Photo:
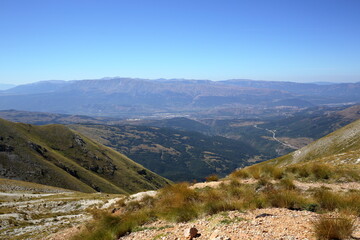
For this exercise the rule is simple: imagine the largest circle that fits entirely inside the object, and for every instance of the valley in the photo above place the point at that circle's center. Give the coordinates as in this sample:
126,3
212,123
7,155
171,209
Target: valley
268,173
180,120
282,198
183,149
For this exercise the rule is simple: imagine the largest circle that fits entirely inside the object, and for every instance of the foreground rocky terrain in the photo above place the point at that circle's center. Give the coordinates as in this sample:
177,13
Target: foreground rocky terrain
266,223
32,211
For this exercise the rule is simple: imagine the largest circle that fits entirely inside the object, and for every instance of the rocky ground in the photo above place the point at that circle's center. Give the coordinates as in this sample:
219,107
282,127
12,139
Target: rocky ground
58,216
256,225
25,215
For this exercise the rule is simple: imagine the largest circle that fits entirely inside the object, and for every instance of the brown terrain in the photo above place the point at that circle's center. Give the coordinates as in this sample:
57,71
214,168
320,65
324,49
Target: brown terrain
258,224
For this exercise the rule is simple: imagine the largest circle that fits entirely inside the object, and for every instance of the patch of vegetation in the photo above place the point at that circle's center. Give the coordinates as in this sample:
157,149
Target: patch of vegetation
57,156
330,201
212,178
174,154
179,203
311,171
330,228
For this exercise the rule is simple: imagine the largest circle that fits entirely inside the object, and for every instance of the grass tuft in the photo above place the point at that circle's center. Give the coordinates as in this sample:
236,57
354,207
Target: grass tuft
334,228
212,178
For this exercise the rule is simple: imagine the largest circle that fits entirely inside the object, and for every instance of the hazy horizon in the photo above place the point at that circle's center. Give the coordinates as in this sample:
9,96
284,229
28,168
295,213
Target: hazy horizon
154,79
297,41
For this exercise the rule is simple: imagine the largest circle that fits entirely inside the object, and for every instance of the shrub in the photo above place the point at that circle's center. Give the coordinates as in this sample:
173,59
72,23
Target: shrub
108,227
212,178
287,199
353,202
327,228
328,200
287,184
242,173
321,171
272,171
299,170
177,203
264,185
254,172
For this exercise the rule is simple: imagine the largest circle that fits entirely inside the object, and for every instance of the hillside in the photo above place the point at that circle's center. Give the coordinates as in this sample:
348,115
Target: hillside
174,154
262,201
341,147
57,156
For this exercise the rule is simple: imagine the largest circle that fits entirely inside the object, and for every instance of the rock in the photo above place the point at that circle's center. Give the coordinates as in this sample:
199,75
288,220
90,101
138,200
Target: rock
264,215
217,236
190,233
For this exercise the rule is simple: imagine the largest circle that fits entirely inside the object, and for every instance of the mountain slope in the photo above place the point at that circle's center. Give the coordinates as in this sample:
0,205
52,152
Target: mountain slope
330,92
176,155
338,148
57,156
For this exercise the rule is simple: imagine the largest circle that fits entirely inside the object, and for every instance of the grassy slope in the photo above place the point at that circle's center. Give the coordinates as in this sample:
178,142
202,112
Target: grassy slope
339,148
177,155
57,156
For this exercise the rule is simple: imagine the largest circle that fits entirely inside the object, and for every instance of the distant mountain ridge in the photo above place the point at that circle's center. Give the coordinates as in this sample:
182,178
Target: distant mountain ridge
126,97
4,86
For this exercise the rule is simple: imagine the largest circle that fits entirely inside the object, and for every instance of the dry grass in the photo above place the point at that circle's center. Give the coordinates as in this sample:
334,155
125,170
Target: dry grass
179,203
330,201
312,171
212,178
331,228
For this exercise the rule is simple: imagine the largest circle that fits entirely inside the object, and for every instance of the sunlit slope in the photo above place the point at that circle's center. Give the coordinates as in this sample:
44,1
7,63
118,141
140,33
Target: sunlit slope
338,148
57,156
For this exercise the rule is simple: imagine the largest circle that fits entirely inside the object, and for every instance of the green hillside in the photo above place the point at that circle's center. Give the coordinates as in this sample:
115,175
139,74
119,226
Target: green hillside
339,147
57,156
176,155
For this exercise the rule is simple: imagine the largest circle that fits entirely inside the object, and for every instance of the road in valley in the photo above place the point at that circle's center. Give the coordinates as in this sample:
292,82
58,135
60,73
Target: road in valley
273,132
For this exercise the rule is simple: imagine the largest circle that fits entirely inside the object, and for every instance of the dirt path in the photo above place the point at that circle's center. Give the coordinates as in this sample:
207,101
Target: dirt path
273,133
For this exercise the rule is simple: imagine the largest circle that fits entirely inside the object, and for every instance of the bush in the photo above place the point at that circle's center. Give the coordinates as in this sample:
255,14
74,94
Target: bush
177,203
272,171
212,178
287,199
330,228
242,173
287,184
328,200
254,171
108,227
321,171
264,185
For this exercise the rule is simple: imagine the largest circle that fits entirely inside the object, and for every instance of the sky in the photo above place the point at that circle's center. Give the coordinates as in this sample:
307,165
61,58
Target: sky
281,40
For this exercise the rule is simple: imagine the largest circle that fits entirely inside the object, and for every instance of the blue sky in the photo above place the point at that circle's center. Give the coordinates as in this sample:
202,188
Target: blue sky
304,41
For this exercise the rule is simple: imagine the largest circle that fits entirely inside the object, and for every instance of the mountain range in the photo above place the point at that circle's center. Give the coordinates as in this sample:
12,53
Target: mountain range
124,97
